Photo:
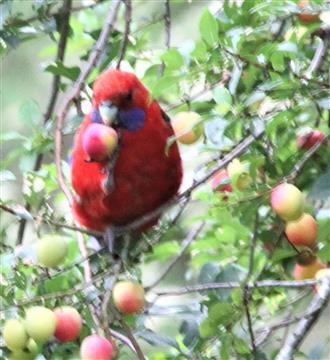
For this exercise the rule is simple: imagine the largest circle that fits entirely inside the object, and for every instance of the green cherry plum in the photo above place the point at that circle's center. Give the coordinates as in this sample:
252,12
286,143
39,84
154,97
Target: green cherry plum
14,334
51,250
40,323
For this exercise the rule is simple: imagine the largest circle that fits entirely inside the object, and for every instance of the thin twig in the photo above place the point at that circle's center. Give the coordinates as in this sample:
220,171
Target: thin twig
314,310
318,57
75,90
21,215
246,289
128,19
265,333
302,162
167,21
193,233
235,284
65,12
124,339
59,294
59,12
130,335
84,253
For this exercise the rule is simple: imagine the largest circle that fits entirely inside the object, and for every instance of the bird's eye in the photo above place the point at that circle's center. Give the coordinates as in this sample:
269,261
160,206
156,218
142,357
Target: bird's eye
128,96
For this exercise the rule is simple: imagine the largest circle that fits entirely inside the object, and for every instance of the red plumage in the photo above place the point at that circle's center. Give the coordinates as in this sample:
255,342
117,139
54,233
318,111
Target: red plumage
144,175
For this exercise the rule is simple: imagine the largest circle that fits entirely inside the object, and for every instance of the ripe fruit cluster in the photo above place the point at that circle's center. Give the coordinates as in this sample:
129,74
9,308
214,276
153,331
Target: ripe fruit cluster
235,176
99,142
300,229
24,336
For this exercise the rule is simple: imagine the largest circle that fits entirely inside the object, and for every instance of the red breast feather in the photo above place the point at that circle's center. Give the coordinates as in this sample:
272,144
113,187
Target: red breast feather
144,175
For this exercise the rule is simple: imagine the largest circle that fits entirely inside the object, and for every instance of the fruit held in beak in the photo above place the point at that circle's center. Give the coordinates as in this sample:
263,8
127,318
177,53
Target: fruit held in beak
99,142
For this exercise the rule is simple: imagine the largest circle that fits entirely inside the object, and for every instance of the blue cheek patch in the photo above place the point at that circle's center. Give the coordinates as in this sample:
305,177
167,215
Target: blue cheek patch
96,117
132,119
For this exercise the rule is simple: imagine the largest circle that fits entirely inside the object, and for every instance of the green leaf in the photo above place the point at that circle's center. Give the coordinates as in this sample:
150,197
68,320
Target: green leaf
59,69
221,313
207,329
164,85
241,346
208,273
172,59
280,254
209,27
277,60
164,251
30,113
200,52
223,99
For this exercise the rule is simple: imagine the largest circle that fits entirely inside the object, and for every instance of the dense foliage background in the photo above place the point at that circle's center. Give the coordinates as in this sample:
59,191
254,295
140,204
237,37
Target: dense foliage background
258,76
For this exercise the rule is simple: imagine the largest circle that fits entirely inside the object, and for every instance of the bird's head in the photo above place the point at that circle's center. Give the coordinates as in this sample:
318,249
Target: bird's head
120,100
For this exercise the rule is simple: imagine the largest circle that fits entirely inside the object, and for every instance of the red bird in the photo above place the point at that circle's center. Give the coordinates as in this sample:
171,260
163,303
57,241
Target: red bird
142,176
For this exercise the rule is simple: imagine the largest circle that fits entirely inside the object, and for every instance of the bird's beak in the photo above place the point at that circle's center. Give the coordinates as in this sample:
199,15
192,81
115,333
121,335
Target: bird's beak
108,112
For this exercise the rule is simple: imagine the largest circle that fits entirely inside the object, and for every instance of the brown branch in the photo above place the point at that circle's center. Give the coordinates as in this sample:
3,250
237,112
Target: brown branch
128,19
235,284
131,337
59,12
124,339
318,57
246,291
84,253
167,21
315,308
265,333
302,162
74,93
193,233
21,215
65,12
59,294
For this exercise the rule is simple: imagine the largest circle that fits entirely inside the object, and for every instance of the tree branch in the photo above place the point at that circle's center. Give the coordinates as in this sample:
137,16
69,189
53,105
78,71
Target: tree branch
235,284
60,294
314,310
128,19
193,233
302,162
19,212
74,93
130,335
246,291
65,12
167,20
